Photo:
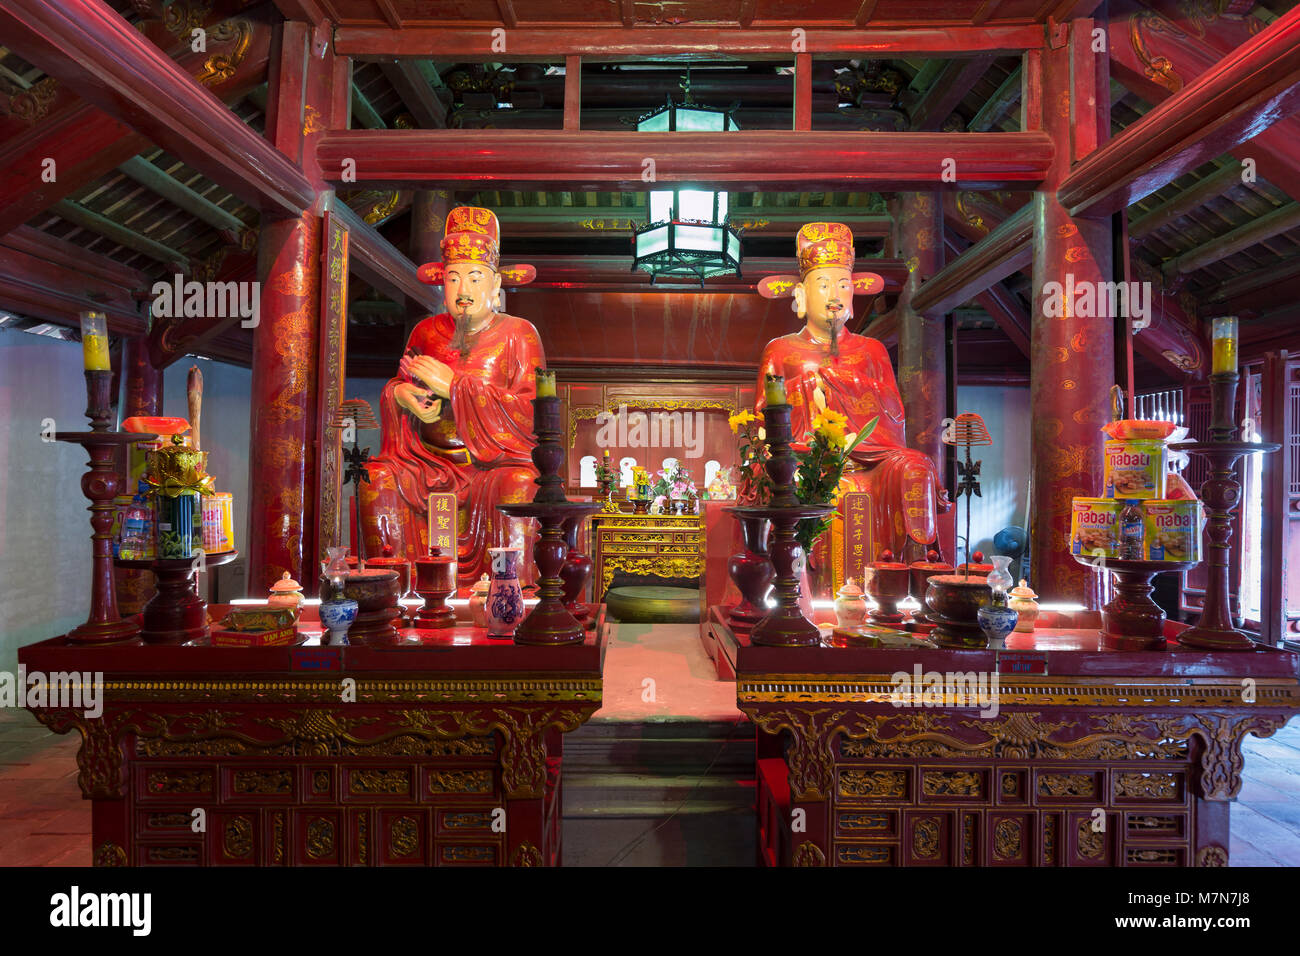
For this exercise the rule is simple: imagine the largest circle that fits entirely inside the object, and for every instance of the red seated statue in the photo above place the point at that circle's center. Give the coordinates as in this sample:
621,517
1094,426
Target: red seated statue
459,416
857,380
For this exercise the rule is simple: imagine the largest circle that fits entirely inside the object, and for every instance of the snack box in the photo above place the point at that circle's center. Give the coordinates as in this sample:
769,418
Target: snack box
1135,469
1094,527
279,637
1172,530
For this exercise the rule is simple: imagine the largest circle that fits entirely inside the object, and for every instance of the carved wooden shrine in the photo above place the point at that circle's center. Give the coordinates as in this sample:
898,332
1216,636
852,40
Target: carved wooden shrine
446,751
1091,758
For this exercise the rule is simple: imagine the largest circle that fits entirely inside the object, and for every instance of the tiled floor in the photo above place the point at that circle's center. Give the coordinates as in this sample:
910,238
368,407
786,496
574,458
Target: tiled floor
44,821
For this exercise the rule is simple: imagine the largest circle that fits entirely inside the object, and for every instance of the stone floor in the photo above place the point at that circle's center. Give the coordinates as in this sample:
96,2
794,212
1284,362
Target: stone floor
44,821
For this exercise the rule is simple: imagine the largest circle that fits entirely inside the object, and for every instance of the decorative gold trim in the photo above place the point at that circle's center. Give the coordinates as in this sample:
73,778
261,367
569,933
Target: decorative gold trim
542,690
1212,855
110,854
526,854
1159,69
809,854
221,66
1189,694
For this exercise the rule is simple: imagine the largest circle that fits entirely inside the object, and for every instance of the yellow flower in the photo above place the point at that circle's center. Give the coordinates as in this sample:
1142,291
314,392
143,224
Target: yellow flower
740,420
830,429
834,417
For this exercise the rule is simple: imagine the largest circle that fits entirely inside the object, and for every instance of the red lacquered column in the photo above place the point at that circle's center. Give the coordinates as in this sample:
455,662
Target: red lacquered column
1071,357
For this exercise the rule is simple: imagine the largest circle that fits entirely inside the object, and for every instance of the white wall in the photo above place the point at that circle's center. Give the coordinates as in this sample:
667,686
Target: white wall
1004,472
44,521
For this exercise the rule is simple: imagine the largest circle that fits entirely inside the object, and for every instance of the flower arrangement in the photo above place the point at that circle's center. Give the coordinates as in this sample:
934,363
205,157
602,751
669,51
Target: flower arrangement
754,486
605,475
675,483
822,455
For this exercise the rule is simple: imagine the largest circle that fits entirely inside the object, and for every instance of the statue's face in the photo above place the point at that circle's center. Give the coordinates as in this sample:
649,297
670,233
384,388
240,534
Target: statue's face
827,296
471,288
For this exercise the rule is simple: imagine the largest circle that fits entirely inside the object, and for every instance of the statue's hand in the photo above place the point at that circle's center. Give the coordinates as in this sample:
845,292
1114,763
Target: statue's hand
418,402
437,375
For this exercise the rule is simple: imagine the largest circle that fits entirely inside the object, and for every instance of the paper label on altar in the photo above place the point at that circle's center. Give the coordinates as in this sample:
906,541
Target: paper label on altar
857,533
1022,662
442,520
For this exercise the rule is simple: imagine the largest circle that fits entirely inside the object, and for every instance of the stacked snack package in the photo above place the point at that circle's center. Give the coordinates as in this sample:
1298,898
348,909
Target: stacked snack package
1146,512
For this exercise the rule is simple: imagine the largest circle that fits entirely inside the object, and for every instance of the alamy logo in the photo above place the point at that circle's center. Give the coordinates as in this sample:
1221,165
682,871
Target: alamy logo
951,689
623,429
74,909
66,690
1098,300
212,300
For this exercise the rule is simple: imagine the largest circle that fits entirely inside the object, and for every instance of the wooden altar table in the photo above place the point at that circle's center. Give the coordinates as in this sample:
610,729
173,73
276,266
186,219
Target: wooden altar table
443,749
666,546
1092,757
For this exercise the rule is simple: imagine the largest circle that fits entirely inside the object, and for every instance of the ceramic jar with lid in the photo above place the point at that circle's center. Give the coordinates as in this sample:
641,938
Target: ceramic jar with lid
850,605
1024,601
478,601
286,592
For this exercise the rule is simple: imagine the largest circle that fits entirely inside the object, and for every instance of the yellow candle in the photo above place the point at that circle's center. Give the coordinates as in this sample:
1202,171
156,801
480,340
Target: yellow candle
545,384
94,341
1223,344
774,389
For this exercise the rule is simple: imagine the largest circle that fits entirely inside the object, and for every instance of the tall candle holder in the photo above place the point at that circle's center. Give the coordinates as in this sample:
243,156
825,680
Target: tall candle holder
101,484
1220,493
785,624
549,622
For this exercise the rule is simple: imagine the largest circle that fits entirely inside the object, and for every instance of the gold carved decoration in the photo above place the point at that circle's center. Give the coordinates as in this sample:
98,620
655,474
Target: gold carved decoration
969,823
850,854
110,854
873,783
1049,839
168,820
1147,786
384,207
1151,855
811,760
809,854
958,783
864,822
460,781
381,781
182,18
526,855
320,781
362,824
181,781
320,838
1156,824
1066,785
237,840
467,854
1007,840
1212,856
1092,843
221,66
1010,785
608,225
925,839
277,836
404,836
263,781
30,105
467,821
1157,68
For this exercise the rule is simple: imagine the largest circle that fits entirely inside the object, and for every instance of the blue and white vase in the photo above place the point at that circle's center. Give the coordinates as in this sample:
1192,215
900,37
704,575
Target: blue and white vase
997,621
505,599
337,616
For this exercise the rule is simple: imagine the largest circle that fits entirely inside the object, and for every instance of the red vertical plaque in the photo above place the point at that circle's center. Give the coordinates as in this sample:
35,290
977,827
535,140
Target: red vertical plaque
858,546
442,521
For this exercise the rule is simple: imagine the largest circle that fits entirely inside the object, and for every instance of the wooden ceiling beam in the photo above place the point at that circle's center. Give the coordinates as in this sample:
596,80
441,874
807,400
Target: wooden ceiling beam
383,265
45,278
614,274
950,88
1185,201
309,11
1003,99
88,143
115,232
747,161
1008,248
1249,89
611,44
1265,277
88,46
363,112
158,181
1265,227
416,93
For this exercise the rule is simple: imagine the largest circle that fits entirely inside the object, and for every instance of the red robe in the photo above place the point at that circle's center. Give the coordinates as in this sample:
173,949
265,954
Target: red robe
489,428
859,384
